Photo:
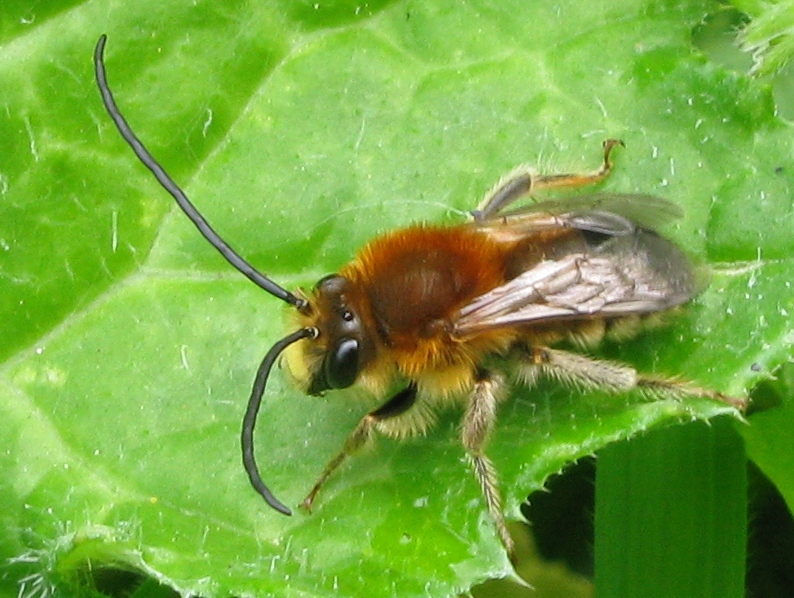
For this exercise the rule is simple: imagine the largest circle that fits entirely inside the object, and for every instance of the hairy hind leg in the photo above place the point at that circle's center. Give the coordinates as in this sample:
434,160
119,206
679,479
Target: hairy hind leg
598,374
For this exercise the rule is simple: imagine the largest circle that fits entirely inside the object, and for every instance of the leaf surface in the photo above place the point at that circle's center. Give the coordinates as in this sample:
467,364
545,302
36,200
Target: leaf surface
301,131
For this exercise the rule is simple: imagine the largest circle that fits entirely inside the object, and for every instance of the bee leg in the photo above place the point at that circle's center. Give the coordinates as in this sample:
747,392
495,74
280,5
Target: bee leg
522,181
394,407
477,425
596,374
678,389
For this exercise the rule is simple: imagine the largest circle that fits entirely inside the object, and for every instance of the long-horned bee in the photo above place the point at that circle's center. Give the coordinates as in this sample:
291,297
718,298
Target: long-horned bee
434,311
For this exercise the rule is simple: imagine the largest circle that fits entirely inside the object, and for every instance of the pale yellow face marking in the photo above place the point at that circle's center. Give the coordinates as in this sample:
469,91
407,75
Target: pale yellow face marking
296,363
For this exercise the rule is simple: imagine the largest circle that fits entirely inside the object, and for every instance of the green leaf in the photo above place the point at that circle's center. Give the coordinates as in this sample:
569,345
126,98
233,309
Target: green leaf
671,514
302,130
769,437
769,36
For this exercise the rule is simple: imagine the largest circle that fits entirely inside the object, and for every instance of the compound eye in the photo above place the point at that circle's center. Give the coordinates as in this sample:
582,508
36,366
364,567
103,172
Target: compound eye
341,365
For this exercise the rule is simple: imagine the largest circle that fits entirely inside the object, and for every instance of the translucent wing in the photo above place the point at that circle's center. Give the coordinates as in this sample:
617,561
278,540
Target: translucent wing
616,268
612,214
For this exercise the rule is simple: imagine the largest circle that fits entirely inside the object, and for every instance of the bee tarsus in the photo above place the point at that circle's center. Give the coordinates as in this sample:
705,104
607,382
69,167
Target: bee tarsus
524,180
394,407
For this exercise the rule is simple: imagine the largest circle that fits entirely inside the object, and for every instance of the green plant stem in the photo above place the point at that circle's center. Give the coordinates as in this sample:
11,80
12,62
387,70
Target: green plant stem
671,513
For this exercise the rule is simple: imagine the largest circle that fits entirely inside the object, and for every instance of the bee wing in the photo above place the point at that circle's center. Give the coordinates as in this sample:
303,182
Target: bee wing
627,272
611,214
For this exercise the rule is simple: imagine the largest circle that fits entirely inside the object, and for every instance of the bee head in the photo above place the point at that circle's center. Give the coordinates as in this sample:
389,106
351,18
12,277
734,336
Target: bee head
342,346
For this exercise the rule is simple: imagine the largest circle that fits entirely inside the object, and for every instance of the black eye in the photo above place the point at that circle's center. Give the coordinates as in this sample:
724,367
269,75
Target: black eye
341,364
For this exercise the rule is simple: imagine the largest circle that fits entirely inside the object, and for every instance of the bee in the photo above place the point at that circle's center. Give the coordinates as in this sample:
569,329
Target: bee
435,310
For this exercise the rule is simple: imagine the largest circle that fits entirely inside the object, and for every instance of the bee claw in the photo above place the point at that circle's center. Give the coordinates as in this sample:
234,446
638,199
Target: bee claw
741,403
307,503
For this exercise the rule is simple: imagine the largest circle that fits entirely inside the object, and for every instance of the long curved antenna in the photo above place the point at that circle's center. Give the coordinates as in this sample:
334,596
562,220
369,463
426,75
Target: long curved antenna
249,421
169,185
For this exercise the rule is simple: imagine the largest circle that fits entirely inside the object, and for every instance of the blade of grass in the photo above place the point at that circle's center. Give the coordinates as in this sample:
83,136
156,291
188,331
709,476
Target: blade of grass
671,514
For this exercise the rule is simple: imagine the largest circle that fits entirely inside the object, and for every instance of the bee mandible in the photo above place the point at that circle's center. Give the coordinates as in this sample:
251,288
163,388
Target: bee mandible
430,309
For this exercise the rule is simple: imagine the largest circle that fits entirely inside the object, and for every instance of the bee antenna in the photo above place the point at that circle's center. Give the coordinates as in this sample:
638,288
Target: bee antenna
169,185
249,421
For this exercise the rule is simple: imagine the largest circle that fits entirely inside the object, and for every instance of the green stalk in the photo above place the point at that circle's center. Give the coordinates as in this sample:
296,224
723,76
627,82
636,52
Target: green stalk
671,514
